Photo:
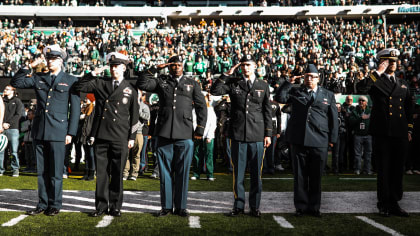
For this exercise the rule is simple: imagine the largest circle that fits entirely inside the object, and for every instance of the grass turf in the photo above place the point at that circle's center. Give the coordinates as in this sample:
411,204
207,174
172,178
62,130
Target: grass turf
223,182
211,224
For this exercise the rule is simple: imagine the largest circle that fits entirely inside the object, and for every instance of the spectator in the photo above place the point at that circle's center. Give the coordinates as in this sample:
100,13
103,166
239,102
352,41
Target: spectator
203,148
13,109
27,140
359,121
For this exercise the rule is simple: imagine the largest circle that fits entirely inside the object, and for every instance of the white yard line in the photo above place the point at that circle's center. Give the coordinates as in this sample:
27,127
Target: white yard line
276,178
14,221
106,220
379,226
357,178
194,222
283,222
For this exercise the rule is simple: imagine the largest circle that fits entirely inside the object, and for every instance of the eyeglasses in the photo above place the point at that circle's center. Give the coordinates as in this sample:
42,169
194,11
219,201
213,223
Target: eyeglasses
362,101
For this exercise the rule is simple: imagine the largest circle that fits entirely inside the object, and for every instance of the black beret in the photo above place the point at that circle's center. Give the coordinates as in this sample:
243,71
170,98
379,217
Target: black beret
247,58
311,69
175,59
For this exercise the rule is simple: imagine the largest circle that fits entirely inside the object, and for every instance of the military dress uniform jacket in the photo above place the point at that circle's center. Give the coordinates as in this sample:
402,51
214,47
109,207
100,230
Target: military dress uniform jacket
312,123
176,101
116,112
250,119
392,107
54,119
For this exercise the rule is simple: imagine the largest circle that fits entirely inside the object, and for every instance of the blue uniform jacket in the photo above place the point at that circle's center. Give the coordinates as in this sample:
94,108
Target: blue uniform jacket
311,124
58,107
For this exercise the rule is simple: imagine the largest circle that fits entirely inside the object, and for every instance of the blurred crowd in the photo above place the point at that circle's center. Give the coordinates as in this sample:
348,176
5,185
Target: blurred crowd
343,50
162,3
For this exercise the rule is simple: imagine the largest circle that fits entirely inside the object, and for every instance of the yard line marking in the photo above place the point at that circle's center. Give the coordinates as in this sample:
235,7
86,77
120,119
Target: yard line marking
379,226
194,222
14,221
11,190
283,222
357,178
106,220
276,178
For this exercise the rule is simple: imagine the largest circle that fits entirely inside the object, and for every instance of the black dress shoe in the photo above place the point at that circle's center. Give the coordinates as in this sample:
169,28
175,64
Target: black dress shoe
255,212
384,212
236,212
164,212
181,212
316,213
397,211
36,211
51,211
299,213
97,213
115,212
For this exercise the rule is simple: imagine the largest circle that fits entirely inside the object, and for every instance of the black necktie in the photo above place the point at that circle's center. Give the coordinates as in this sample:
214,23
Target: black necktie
392,79
53,79
116,83
248,82
312,95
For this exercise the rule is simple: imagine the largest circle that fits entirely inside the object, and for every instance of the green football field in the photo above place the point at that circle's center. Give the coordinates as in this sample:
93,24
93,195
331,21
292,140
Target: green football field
15,222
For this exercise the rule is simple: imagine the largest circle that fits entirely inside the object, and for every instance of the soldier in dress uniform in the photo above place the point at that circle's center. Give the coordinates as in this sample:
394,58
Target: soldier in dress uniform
113,131
250,129
312,127
174,128
54,124
391,127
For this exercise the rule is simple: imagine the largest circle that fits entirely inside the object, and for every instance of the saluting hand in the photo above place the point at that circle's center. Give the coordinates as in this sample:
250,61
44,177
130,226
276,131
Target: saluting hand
409,137
130,143
161,66
382,67
230,72
99,70
36,62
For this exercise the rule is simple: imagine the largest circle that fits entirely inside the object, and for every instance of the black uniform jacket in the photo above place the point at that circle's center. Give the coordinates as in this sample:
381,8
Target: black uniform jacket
116,112
176,101
311,124
54,118
392,107
250,117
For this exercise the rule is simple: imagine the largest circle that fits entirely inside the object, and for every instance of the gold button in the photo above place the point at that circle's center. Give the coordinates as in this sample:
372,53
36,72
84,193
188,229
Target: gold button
174,100
48,103
105,109
49,96
390,105
400,99
50,89
174,95
106,100
390,97
113,119
390,113
400,115
400,107
103,117
46,110
116,111
118,103
173,107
